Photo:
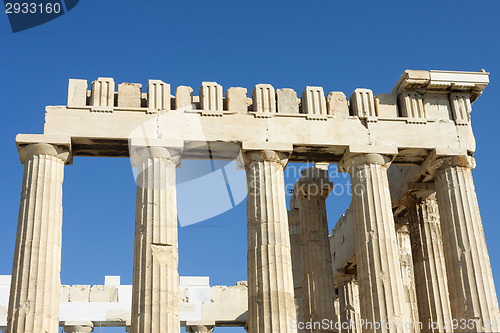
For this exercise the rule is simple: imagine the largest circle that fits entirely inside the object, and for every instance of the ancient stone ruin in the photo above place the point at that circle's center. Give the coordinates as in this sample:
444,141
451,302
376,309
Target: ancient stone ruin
409,255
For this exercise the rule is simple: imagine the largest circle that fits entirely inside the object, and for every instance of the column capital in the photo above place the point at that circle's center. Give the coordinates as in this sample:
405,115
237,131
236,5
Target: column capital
266,155
343,279
199,328
418,192
78,326
355,156
143,148
29,145
305,189
439,163
314,182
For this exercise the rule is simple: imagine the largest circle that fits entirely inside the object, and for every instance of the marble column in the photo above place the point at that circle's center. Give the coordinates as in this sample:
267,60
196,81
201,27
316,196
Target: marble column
407,274
472,291
336,306
381,293
78,327
34,292
271,307
155,287
296,251
311,191
199,329
429,268
348,303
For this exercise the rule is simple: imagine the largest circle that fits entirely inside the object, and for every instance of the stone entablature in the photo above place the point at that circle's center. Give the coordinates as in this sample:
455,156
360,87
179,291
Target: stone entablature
426,110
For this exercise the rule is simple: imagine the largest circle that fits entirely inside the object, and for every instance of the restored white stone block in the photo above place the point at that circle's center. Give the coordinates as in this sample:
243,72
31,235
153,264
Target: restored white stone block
461,107
184,98
363,104
336,104
287,101
211,98
412,106
102,97
77,93
112,280
264,99
5,280
158,96
186,281
314,103
129,95
236,98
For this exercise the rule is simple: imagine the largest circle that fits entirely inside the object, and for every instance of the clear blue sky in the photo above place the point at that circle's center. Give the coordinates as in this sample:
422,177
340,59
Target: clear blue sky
340,45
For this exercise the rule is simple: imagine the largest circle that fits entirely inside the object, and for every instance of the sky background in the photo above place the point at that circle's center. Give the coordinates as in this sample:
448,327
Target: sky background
340,45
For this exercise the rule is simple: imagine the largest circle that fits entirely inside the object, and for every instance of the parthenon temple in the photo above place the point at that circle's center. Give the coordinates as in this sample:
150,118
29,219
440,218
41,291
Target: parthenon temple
408,255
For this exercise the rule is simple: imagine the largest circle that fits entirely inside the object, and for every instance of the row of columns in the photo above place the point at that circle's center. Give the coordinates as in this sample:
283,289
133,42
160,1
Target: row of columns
34,301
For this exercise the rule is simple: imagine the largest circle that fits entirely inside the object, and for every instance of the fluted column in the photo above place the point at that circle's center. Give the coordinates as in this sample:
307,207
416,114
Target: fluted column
378,268
407,274
34,292
199,329
271,306
318,290
348,303
296,252
470,280
78,327
428,263
155,290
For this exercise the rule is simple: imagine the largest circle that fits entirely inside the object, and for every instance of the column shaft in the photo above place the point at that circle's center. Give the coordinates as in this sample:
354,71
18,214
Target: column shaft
470,279
407,274
34,293
379,276
429,267
155,291
271,306
296,252
318,288
348,305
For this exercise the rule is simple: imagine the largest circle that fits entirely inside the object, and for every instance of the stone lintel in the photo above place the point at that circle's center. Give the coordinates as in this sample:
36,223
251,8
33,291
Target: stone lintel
61,143
156,142
200,323
263,145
